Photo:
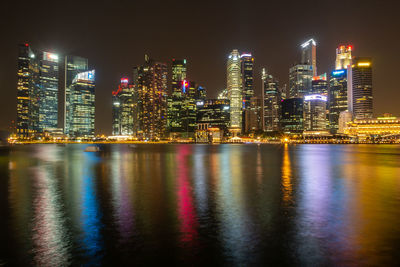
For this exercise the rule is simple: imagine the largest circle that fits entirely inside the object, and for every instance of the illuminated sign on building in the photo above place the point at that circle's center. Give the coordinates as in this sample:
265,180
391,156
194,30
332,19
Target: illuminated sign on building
245,55
185,84
363,64
337,72
315,97
50,57
308,43
320,77
85,76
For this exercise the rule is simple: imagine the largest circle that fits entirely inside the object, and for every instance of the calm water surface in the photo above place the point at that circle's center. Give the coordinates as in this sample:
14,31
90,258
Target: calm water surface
200,204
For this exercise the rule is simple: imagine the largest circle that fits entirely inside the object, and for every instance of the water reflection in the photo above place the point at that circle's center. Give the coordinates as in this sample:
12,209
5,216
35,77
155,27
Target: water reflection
286,176
90,214
187,213
122,189
203,204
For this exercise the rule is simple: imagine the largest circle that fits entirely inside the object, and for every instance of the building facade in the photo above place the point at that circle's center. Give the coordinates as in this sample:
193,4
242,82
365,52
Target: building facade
234,88
124,109
343,57
271,98
150,81
73,66
320,85
315,112
214,113
300,81
27,93
292,116
362,88
309,55
254,116
82,106
337,98
48,93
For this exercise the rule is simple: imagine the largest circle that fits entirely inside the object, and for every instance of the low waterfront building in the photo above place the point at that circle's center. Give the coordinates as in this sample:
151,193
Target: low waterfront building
381,126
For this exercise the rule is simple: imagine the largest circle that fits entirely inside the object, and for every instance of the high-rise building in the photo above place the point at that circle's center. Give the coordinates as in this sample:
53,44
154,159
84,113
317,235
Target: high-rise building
214,113
150,81
300,80
292,116
73,66
223,94
201,93
309,55
246,67
82,105
37,92
320,85
247,64
362,88
254,115
271,98
343,57
189,108
234,87
177,97
27,92
48,93
124,109
337,98
315,112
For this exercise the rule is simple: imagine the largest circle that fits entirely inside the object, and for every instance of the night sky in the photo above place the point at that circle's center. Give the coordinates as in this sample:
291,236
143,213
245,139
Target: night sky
114,35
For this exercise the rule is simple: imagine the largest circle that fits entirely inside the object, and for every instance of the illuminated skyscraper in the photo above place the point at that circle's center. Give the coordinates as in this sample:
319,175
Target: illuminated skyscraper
214,113
48,93
320,85
337,98
292,116
315,112
37,91
27,92
343,57
362,88
309,55
300,80
234,87
254,116
124,109
271,98
150,81
82,105
177,97
73,66
247,64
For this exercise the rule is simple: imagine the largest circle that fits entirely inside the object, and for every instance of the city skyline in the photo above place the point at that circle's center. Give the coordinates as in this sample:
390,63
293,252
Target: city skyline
207,66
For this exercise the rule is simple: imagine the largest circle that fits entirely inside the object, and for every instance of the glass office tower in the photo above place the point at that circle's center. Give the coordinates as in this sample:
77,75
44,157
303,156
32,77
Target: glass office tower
362,88
309,55
27,92
150,81
337,98
234,87
124,109
271,98
48,93
73,66
82,105
300,80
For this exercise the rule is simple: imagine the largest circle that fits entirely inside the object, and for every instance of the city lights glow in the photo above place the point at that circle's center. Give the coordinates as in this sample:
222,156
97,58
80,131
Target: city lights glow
363,64
337,72
311,41
315,97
